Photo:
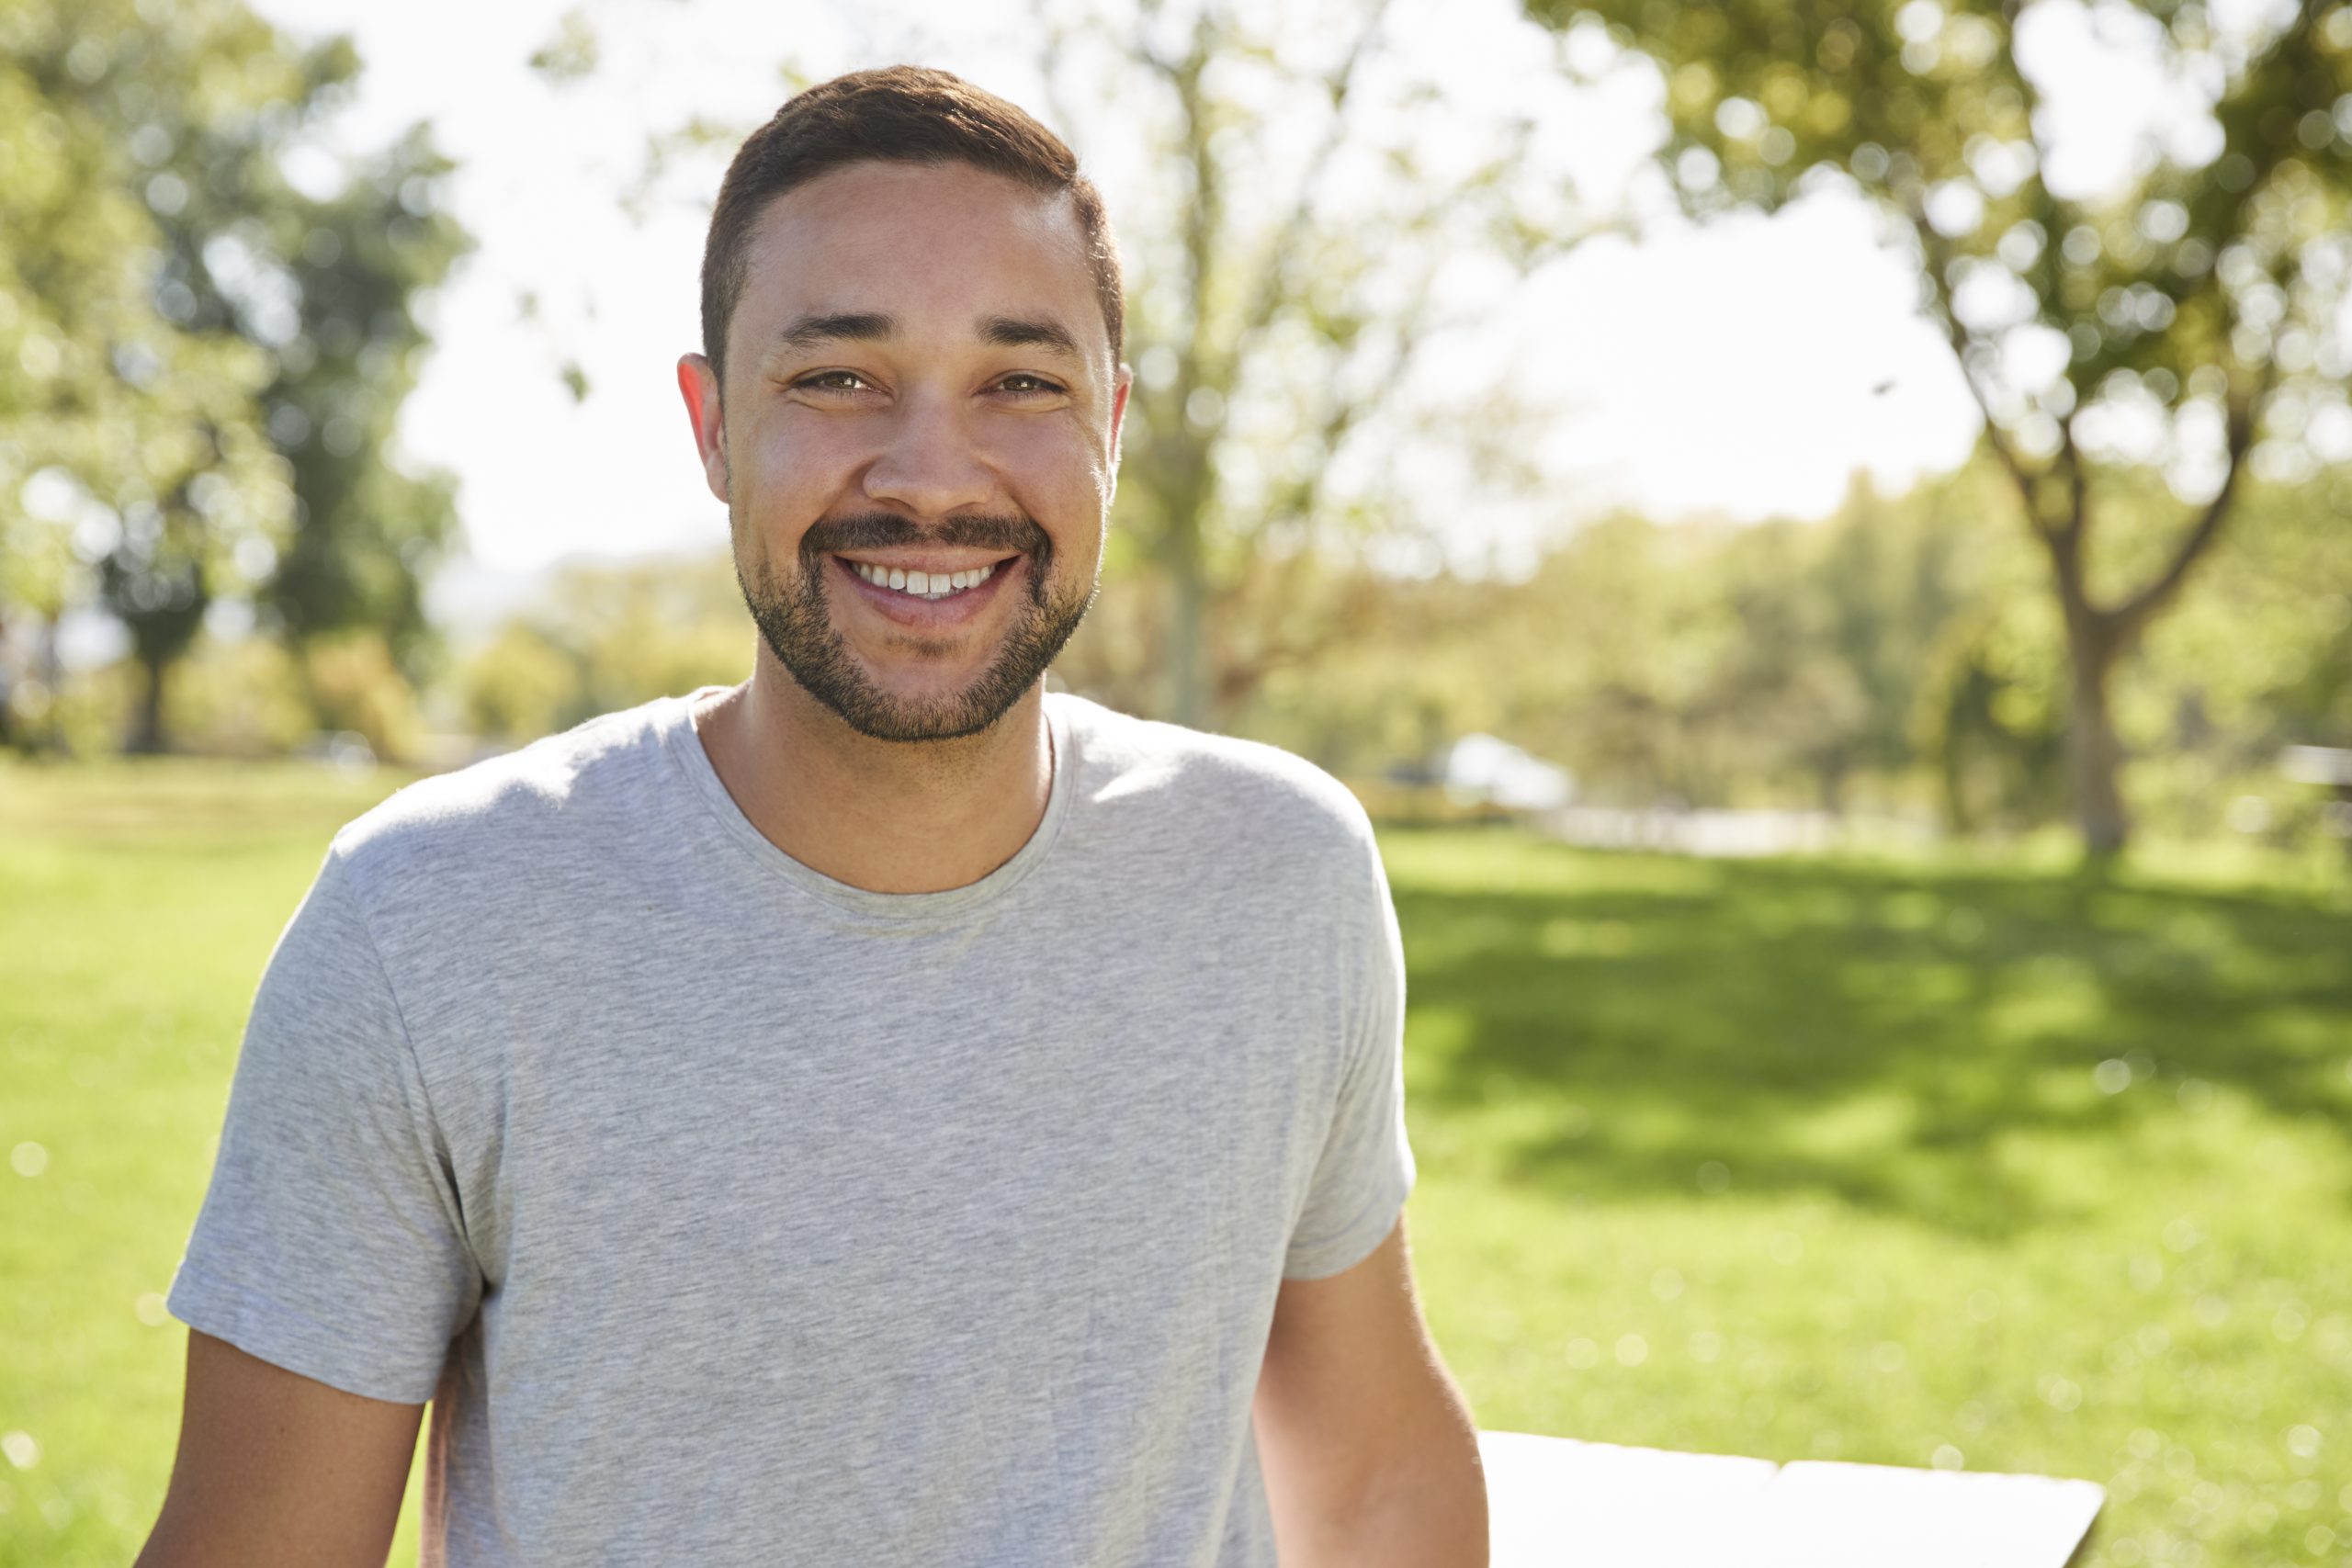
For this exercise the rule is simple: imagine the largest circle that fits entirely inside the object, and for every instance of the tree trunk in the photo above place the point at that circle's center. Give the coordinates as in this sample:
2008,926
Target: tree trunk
1188,678
53,677
2093,756
1184,559
1830,783
147,737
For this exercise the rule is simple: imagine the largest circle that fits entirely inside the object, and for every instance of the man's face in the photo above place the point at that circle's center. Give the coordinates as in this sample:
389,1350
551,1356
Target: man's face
919,396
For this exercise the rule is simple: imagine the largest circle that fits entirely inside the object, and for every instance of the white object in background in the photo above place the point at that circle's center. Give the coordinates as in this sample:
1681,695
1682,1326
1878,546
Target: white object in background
2318,764
1552,1502
1481,769
1559,1503
1862,1516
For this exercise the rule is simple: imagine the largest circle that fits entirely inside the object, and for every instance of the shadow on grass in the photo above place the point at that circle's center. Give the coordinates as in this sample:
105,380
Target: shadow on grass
1616,1024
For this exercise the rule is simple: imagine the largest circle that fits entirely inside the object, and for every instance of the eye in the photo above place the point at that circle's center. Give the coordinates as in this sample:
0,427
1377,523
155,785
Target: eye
833,381
1021,383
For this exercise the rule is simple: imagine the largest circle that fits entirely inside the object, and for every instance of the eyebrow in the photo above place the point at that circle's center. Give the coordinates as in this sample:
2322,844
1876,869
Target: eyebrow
864,326
874,326
1011,331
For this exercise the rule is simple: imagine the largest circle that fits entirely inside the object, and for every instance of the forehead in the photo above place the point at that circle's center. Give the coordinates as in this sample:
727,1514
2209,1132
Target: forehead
938,246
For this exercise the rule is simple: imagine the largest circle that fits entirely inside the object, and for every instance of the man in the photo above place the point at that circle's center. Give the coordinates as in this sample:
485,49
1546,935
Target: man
879,1113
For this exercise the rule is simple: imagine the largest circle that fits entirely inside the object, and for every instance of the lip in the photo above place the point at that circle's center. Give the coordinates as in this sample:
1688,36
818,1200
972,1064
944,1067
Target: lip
937,562
927,614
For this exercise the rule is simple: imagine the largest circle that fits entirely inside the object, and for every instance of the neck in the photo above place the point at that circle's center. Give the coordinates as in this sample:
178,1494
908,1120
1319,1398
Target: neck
886,815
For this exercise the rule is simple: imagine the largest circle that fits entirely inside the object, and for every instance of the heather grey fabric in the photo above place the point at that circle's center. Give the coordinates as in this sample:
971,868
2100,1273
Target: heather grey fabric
731,1214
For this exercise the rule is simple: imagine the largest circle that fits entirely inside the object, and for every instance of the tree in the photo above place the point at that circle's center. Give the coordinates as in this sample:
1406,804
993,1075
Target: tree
228,412
1289,264
327,284
127,437
2199,301
608,634
368,531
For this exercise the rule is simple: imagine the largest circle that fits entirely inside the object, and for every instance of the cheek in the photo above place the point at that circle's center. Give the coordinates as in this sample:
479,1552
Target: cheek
1053,462
785,474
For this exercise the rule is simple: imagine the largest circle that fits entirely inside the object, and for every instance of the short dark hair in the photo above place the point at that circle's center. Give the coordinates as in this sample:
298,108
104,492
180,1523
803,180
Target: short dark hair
906,114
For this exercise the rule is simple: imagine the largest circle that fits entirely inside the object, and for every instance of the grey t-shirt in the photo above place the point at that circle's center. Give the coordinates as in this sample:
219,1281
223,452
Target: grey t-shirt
731,1214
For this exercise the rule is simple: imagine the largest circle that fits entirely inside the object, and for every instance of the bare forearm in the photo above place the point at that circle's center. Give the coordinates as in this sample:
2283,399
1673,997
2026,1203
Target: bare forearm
1369,1451
1428,1511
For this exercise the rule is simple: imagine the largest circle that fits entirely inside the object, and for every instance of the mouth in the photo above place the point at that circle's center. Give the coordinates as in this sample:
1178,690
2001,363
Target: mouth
938,580
938,594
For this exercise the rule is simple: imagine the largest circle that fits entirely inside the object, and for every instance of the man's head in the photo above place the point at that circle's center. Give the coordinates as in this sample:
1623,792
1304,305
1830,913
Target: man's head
911,330
902,114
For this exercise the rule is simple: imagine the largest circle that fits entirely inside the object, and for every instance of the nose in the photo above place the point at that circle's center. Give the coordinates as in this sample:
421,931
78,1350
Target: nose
928,464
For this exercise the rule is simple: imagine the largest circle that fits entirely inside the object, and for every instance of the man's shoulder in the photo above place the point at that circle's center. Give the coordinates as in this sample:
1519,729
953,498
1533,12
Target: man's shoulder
1220,785
518,804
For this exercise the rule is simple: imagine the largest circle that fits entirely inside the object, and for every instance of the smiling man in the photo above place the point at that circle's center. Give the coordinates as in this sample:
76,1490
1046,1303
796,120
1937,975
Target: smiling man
877,1113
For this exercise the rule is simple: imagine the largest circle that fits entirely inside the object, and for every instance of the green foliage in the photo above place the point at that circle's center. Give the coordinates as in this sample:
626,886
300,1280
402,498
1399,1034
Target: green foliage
214,358
2259,659
2229,261
1717,664
245,698
522,684
571,52
1991,716
137,418
2206,294
354,685
1902,655
1284,253
369,530
609,636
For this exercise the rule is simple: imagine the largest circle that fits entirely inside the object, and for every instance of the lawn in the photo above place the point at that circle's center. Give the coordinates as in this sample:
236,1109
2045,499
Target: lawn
1960,1161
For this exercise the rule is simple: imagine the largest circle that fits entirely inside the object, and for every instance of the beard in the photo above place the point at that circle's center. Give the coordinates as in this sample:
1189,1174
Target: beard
796,622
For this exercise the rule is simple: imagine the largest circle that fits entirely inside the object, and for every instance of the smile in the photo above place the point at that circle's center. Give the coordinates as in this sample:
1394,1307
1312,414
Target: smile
922,585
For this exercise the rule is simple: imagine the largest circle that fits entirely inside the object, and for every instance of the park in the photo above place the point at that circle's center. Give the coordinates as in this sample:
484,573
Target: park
1814,535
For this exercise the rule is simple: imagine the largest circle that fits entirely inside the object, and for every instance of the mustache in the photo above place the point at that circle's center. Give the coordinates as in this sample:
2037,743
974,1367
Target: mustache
879,530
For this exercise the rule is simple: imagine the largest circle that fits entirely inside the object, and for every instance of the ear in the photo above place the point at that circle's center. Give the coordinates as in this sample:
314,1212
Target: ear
699,387
1121,386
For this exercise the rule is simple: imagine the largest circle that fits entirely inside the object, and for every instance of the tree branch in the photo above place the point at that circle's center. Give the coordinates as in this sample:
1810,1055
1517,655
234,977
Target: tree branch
1343,413
1269,295
1957,334
2134,612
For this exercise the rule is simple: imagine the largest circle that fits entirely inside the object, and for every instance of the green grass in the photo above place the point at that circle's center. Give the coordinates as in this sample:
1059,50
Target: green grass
137,903
1864,1159
1869,1160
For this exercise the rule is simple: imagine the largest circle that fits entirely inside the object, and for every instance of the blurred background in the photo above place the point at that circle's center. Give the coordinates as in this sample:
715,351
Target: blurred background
1822,533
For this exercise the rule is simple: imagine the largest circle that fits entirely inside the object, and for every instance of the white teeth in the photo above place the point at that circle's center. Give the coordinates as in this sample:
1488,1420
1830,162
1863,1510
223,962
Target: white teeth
927,585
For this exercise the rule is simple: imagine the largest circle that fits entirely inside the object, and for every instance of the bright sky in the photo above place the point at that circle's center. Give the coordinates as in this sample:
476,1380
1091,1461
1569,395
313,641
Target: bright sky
1748,368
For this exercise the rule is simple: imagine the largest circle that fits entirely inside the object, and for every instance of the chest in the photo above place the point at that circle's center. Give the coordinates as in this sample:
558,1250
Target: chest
860,1116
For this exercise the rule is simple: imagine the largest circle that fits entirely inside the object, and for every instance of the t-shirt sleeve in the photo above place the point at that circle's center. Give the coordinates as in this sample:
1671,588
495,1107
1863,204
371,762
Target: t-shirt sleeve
1366,1170
331,1239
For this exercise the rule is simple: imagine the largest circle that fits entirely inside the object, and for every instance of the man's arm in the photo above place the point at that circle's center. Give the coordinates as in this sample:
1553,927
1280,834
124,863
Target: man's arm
276,1468
1369,1452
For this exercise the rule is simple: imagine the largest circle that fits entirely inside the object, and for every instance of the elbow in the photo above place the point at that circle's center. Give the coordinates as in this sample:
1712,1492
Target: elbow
1431,1511
1424,1506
